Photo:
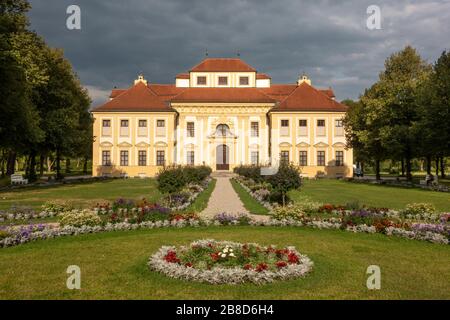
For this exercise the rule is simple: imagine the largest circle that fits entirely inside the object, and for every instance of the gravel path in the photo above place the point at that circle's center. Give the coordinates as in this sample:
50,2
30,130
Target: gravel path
225,199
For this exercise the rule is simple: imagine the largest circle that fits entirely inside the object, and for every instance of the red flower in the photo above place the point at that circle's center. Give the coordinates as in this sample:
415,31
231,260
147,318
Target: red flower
293,258
189,265
214,256
281,264
262,266
171,257
248,266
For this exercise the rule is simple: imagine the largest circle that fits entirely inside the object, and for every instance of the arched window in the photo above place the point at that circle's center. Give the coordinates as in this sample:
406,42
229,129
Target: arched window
222,130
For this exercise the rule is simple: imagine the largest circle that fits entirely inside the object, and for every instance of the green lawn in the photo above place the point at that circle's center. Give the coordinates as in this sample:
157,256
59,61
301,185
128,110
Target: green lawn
82,194
201,201
113,266
250,204
341,192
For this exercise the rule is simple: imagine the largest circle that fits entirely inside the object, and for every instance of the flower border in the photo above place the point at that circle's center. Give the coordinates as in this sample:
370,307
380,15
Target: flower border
219,275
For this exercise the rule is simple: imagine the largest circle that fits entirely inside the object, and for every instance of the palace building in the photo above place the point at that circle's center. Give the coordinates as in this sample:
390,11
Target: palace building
222,113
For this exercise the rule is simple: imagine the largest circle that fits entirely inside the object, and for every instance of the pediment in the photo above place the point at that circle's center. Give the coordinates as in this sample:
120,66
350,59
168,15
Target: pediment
125,145
321,145
142,144
285,144
160,144
106,144
303,145
339,145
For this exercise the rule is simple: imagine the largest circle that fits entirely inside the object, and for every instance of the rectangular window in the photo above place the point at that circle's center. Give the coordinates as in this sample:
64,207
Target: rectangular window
223,81
303,158
339,158
284,157
190,129
321,128
106,158
321,158
255,157
303,127
160,158
124,158
339,128
284,130
142,158
243,81
106,127
124,128
142,128
201,81
190,158
254,132
160,128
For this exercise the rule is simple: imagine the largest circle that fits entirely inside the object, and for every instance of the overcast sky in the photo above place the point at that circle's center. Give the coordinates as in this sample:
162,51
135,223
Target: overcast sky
326,39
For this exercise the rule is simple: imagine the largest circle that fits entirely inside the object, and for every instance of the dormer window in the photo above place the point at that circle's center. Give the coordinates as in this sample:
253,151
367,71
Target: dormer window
243,81
223,81
201,81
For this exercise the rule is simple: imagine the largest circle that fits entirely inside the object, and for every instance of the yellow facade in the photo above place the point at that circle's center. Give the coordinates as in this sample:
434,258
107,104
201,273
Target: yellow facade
115,142
205,120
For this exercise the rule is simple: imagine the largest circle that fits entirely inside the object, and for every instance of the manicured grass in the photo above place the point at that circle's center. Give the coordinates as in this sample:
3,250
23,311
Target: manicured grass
341,192
250,204
114,266
201,202
82,194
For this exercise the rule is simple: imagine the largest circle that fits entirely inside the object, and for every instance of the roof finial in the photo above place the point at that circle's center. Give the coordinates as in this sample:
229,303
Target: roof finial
206,52
140,78
238,53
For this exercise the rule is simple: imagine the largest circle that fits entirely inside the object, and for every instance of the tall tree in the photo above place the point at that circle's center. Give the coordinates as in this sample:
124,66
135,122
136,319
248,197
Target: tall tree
434,110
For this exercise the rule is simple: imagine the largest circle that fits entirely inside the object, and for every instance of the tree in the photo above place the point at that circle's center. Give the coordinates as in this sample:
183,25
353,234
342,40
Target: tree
287,178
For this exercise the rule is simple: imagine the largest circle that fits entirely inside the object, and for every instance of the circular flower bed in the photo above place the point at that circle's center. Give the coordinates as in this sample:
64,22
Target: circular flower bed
225,262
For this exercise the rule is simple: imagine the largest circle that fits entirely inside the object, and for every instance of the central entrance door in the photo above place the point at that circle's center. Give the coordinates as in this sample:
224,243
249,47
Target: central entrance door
222,157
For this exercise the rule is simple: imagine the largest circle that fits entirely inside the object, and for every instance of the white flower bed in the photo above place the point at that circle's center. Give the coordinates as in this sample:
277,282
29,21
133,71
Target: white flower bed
26,216
255,195
221,275
52,231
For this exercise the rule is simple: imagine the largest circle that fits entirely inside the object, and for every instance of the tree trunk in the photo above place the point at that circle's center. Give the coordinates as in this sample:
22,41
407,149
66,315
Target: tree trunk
85,163
58,166
403,167
437,166
11,164
68,165
284,199
443,167
41,164
428,160
32,167
377,170
408,168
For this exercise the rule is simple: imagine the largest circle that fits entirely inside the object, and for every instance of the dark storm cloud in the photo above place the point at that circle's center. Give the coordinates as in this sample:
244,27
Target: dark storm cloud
326,39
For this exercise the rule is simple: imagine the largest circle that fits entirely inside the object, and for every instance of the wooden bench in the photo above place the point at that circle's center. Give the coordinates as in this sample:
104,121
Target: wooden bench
18,179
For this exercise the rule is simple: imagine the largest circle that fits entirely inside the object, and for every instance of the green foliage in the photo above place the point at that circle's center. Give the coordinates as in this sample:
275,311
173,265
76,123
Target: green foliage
173,179
287,178
249,171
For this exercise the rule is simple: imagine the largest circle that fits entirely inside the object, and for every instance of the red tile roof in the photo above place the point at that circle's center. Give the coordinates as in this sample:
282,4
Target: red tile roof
137,98
279,91
222,65
329,92
182,76
230,95
116,92
307,98
262,76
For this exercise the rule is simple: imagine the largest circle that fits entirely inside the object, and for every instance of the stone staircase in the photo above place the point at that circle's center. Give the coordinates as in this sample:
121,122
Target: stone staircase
223,174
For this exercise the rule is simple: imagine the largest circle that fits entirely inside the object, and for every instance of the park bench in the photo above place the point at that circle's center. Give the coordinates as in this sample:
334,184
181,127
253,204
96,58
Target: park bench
18,179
